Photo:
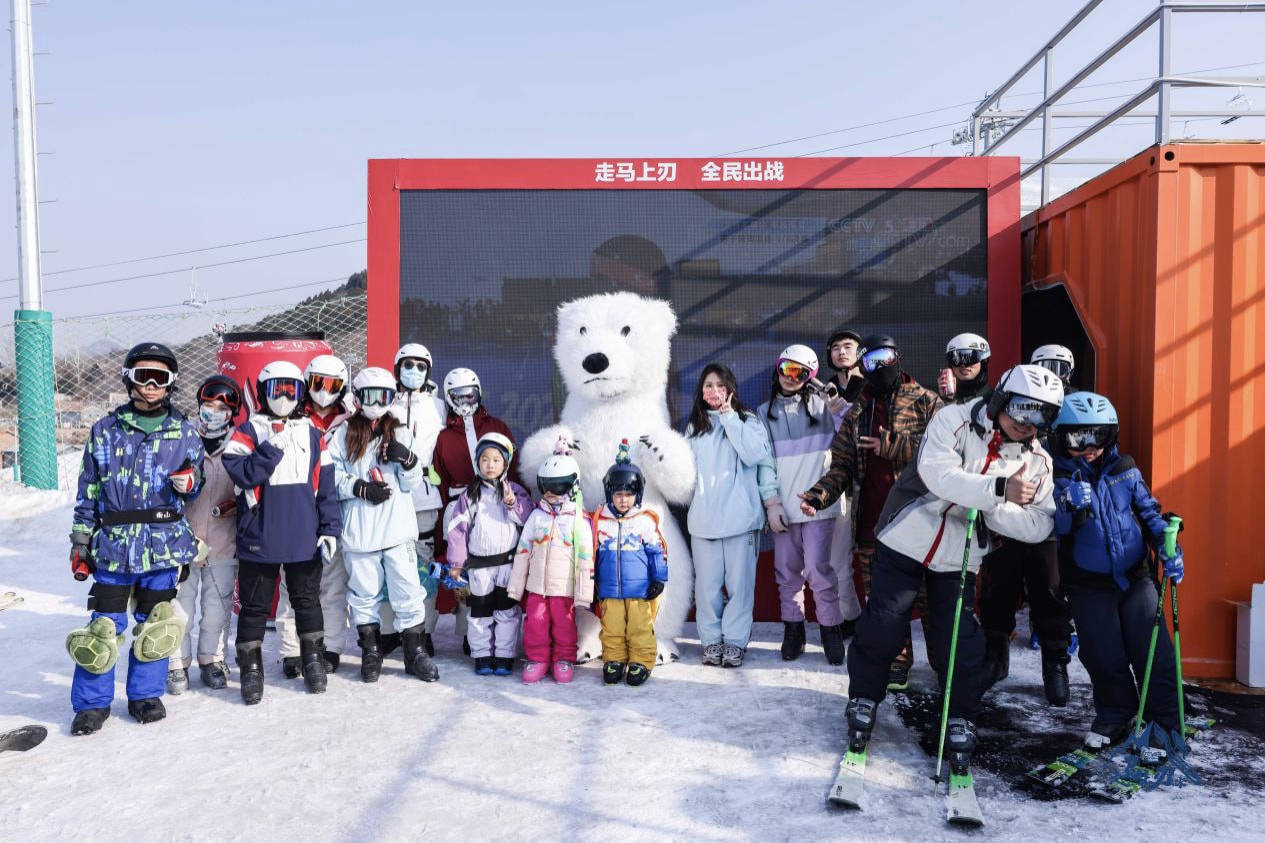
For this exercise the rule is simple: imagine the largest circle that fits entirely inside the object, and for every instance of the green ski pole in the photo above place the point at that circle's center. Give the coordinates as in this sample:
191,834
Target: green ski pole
971,515
1150,657
1170,549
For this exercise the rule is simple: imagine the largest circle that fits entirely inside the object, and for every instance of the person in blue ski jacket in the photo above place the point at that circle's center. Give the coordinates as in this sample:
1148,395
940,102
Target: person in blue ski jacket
1108,523
141,466
288,518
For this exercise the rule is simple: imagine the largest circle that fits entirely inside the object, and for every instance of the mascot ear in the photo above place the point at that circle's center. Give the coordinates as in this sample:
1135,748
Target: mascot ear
661,316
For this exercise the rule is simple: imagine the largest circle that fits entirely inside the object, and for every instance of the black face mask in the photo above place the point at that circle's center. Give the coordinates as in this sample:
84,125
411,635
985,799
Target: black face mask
883,379
973,387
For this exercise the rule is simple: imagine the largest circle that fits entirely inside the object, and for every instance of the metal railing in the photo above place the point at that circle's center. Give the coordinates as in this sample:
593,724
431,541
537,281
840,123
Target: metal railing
986,115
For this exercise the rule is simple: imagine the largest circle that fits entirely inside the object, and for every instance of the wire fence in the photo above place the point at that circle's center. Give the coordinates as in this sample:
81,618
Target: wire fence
88,354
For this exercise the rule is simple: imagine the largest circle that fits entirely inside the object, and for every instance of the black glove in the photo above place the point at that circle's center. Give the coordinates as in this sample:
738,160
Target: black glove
654,590
396,452
184,574
82,564
374,491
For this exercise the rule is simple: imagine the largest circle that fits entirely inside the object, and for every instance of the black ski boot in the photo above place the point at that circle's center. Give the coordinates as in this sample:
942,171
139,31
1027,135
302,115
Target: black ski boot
860,715
311,648
149,710
959,745
416,661
793,640
214,675
250,668
1054,661
331,661
429,644
369,638
292,667
89,721
832,643
996,658
613,673
898,676
849,628
390,642
637,674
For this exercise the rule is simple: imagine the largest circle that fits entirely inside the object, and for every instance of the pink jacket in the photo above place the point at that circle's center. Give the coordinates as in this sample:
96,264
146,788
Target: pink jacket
555,555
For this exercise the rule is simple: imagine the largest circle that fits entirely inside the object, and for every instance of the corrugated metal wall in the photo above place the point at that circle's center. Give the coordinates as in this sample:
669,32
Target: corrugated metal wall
1164,258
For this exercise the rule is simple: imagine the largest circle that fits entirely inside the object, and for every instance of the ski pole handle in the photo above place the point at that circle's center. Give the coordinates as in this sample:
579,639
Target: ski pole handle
971,516
1170,535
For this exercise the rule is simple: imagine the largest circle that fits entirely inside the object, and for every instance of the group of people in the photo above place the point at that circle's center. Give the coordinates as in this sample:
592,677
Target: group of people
337,490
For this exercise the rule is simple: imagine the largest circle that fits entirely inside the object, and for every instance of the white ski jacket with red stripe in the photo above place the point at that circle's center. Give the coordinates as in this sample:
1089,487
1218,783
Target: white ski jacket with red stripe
958,464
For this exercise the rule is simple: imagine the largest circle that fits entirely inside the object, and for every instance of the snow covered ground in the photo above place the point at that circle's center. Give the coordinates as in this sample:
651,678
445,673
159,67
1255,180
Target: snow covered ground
697,753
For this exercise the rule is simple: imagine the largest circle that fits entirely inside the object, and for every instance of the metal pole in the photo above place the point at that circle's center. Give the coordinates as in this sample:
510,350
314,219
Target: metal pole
1046,127
1163,103
29,289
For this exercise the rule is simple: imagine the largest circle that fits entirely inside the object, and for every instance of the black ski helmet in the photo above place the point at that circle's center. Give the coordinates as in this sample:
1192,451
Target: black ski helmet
149,351
874,341
225,388
623,476
840,333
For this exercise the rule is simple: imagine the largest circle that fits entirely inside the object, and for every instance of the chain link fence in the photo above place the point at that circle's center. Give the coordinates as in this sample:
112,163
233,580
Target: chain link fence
88,353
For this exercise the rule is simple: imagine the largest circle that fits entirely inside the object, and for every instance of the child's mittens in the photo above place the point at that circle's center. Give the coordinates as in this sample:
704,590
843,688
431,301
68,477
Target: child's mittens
654,589
1174,567
1076,496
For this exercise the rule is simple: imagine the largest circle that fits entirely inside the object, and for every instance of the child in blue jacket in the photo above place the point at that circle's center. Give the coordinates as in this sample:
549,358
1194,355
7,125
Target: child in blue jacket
631,568
1107,523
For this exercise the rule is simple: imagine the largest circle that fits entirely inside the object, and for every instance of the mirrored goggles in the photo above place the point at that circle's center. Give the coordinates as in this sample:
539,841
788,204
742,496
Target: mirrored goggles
283,388
1029,411
464,395
219,392
375,396
556,485
797,372
964,357
1083,438
878,358
325,383
1061,368
143,375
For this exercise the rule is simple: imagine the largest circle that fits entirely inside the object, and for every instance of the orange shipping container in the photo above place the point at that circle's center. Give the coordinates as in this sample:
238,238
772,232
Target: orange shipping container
1163,260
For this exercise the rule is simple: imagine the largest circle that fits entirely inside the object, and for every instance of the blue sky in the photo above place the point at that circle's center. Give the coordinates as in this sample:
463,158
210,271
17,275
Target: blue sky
177,126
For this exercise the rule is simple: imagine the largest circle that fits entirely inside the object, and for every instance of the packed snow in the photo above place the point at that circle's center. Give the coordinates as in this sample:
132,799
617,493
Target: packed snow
697,753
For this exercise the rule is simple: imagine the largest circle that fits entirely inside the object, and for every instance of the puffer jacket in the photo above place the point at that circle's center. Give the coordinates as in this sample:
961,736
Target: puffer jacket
368,526
423,412
958,464
726,492
555,554
631,552
1110,537
477,533
220,534
800,433
125,469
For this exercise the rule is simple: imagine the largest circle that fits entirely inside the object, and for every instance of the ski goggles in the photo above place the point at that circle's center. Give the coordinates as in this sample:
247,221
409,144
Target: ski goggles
147,375
325,383
1083,438
375,396
556,485
464,395
219,392
964,357
1031,412
797,372
283,388
1060,368
878,358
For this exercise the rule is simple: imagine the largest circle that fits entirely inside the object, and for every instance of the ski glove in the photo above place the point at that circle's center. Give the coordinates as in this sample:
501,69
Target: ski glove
1076,496
326,547
81,563
397,452
777,515
1174,567
374,491
182,479
653,590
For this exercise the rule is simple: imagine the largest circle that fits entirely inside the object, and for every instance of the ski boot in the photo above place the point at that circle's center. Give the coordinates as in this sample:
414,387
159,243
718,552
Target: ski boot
996,658
429,644
331,661
311,647
832,643
250,668
390,643
860,715
483,666
613,672
214,675
959,745
149,710
367,635
637,674
177,681
292,667
898,676
416,661
503,666
848,628
1103,735
90,720
1054,661
793,639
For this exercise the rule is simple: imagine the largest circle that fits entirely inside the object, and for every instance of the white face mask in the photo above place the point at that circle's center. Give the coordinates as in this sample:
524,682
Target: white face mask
282,407
212,423
373,412
414,378
323,399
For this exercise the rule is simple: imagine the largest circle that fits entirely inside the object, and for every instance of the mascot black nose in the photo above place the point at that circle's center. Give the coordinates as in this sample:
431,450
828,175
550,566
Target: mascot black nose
595,363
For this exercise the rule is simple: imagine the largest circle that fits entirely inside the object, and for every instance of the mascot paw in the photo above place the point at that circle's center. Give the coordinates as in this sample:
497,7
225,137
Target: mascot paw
667,653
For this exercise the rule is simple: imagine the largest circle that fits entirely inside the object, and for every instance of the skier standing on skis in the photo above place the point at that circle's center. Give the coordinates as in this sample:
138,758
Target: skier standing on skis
1107,522
983,456
141,466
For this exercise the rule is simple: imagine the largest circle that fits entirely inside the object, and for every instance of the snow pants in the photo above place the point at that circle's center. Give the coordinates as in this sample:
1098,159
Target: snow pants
333,595
864,556
1114,627
1016,568
724,589
628,631
144,679
841,544
895,580
209,589
385,576
493,629
257,583
802,554
549,631
425,544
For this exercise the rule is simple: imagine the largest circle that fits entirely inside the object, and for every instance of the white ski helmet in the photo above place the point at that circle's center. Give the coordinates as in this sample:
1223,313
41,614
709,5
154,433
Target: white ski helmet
416,376
1040,387
326,380
462,391
500,442
967,350
1057,358
375,390
802,355
559,474
280,388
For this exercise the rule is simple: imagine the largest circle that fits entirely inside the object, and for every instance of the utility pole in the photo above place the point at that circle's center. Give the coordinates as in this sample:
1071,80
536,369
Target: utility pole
32,325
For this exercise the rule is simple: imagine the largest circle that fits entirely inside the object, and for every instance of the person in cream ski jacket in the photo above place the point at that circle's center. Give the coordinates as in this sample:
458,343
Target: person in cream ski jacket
375,468
984,456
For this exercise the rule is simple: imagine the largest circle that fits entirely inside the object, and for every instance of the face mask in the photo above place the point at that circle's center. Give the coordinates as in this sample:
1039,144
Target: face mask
373,412
282,407
323,399
212,423
413,378
883,379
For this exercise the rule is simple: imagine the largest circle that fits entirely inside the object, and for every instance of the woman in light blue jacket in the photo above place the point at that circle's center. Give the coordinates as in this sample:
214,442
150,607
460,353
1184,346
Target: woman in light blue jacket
375,469
726,514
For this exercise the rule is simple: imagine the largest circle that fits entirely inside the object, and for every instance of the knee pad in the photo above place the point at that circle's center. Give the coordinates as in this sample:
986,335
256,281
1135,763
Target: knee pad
159,635
95,647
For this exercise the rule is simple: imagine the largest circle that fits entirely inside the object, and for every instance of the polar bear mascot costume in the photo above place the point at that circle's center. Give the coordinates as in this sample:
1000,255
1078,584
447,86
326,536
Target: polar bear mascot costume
613,351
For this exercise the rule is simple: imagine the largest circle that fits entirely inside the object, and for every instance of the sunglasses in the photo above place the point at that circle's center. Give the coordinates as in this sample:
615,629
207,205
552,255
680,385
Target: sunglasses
797,372
878,358
1061,368
145,375
375,396
324,383
283,388
1030,412
1083,438
409,363
220,392
556,485
964,357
